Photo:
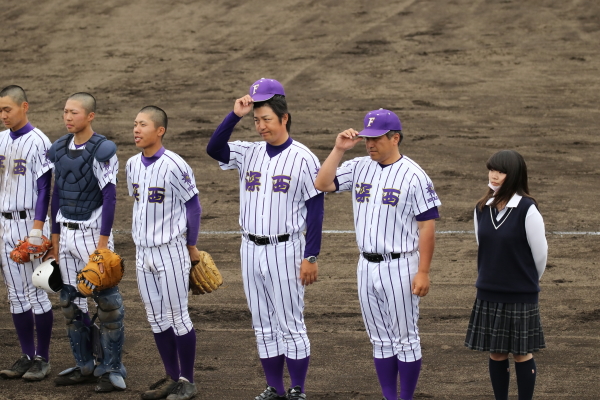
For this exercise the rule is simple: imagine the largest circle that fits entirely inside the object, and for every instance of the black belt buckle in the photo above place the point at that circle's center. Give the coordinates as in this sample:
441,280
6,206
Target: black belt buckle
265,240
71,225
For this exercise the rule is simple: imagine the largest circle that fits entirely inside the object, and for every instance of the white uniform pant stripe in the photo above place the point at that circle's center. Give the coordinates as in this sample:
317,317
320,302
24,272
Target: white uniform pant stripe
390,310
75,248
22,294
163,280
275,297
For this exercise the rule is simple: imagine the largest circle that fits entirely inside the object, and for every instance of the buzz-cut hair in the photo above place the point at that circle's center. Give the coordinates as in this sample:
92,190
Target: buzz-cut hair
157,115
16,93
390,134
87,101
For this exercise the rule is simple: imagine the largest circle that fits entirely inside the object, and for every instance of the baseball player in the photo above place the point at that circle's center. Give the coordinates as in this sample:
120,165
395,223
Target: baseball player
83,209
395,207
166,221
25,177
278,202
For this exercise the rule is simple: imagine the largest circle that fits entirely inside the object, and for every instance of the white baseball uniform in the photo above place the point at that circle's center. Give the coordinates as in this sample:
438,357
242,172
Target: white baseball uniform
273,192
159,230
386,200
22,161
76,245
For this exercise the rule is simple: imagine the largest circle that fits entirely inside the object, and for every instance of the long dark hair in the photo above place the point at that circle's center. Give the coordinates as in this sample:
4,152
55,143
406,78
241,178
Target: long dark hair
513,165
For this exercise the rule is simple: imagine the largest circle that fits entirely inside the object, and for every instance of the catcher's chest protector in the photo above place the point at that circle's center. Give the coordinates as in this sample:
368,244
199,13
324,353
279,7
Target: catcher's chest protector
79,192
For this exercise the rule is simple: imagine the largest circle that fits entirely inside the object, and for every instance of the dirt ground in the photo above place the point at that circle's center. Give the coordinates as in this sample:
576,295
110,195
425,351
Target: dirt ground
466,77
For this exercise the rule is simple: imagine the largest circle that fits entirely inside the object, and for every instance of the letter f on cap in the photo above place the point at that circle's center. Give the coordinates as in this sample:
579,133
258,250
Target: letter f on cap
370,121
255,88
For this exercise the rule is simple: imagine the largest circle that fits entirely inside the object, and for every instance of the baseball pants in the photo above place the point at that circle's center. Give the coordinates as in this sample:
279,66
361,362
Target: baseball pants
390,310
163,275
75,248
275,297
22,294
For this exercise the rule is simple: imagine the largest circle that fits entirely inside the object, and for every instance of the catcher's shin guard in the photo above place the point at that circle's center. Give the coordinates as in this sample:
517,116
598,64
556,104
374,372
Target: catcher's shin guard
79,334
112,333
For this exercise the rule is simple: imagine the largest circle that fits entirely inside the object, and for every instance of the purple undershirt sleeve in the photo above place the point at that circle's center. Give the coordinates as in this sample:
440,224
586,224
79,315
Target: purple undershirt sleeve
432,213
337,183
43,191
193,211
109,204
315,209
54,210
217,145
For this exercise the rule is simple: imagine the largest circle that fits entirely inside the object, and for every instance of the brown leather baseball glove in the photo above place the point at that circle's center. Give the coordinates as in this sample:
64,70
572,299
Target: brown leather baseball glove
91,279
24,250
204,275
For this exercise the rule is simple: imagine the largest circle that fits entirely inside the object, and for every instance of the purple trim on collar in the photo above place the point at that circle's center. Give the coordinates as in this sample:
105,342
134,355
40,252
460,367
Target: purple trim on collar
78,146
20,132
147,161
272,151
387,165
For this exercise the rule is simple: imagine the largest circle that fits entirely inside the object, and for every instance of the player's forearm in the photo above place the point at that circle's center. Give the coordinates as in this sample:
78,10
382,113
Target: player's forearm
109,204
426,244
43,197
326,176
217,146
193,212
103,242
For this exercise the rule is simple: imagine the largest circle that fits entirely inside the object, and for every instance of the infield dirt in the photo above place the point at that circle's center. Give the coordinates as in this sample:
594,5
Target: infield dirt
466,77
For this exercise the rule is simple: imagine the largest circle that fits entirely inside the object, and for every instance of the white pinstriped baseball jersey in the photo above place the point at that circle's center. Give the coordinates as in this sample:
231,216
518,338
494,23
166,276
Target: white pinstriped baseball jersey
273,191
386,201
160,191
105,173
22,162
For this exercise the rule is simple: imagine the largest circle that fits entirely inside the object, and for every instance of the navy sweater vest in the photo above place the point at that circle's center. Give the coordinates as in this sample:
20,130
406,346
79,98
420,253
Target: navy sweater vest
505,265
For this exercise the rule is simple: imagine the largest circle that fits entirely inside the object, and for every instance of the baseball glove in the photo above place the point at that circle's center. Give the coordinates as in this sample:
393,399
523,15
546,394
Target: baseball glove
90,279
24,250
204,275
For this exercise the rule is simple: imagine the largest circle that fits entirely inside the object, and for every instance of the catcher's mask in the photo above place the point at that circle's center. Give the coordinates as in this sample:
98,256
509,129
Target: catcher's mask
47,276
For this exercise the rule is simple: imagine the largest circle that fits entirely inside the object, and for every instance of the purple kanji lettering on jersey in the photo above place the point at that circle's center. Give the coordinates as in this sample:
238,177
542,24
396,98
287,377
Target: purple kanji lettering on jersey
186,178
253,181
20,167
281,183
136,193
106,165
363,192
156,195
391,197
2,158
431,192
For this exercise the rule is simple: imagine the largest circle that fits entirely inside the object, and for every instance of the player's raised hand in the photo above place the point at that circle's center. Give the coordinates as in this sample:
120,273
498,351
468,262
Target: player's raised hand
347,139
243,105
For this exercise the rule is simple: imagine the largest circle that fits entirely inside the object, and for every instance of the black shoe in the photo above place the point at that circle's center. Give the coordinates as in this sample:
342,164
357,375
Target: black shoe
18,369
184,390
160,389
270,393
38,371
72,376
105,384
295,393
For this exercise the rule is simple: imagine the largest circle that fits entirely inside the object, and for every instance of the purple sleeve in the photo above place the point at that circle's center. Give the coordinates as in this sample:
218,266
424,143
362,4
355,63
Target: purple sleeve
43,191
54,210
109,204
193,211
315,209
217,145
432,213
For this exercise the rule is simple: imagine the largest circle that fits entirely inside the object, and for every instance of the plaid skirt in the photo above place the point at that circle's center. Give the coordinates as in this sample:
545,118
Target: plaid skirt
505,328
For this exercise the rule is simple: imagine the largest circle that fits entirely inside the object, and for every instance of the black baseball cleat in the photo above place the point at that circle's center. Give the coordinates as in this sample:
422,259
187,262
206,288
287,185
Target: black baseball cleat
295,393
18,369
38,371
184,390
160,389
108,382
270,393
73,376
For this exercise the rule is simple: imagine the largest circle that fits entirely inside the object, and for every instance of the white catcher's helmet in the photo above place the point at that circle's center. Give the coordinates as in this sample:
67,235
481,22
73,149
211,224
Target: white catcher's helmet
47,276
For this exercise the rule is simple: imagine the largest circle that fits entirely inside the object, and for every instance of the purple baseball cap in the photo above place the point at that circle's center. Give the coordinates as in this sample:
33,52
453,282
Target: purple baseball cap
263,89
379,122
